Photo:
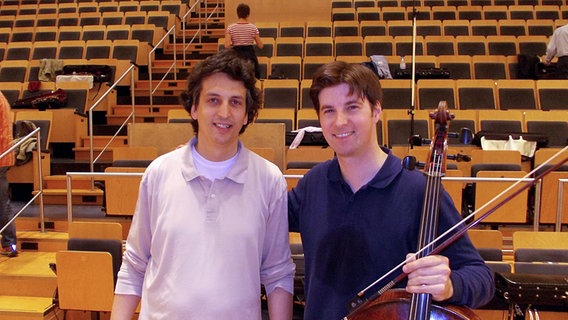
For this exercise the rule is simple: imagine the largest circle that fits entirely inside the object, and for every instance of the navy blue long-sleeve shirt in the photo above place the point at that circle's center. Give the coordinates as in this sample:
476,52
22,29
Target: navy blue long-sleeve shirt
352,239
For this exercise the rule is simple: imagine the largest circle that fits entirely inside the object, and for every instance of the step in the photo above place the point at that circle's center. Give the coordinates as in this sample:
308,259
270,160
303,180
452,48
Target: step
49,241
50,224
84,153
28,275
28,308
101,141
144,110
203,48
115,119
60,182
79,196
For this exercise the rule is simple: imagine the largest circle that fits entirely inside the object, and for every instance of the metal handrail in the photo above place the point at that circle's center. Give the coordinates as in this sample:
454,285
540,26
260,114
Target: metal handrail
197,33
40,173
96,104
173,65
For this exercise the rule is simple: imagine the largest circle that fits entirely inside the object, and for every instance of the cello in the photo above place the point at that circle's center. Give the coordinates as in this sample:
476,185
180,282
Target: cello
388,303
397,303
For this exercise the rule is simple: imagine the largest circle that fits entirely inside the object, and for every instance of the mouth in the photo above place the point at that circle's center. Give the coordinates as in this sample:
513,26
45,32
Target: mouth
222,125
343,134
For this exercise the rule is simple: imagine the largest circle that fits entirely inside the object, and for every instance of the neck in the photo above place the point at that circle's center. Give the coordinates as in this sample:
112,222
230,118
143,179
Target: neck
359,170
216,154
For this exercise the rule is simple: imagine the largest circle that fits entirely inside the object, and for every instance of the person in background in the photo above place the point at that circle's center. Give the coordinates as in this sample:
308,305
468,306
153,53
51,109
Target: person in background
242,35
9,247
210,224
359,214
558,47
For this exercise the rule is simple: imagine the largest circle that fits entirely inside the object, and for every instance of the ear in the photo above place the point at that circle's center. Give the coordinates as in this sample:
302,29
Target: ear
377,111
193,112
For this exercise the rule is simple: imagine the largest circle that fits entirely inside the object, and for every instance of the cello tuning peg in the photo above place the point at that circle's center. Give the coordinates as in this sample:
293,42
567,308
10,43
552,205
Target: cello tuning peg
416,140
410,163
459,157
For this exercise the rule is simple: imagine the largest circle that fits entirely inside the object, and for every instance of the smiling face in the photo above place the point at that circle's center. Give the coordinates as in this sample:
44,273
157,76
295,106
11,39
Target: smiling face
221,113
348,120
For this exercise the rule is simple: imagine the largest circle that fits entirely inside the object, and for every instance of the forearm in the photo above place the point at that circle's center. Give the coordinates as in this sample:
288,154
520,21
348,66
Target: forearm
124,306
280,304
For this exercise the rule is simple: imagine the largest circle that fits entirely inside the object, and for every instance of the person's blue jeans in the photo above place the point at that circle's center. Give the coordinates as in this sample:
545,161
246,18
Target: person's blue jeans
6,213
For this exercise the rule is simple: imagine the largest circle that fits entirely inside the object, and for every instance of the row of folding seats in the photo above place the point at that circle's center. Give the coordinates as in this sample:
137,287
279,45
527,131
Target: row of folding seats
394,125
142,32
175,7
72,49
438,3
459,67
479,94
523,12
404,28
402,46
161,19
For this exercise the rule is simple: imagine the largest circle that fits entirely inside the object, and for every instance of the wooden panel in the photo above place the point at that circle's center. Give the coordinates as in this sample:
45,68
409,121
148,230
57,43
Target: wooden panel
273,10
540,240
85,280
549,197
486,238
514,211
95,230
121,192
159,135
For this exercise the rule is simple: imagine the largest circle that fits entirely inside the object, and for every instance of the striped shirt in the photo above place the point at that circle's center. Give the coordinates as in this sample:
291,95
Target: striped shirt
242,34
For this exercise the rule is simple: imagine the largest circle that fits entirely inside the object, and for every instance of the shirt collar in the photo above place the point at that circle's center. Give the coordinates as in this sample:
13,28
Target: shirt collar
236,173
388,172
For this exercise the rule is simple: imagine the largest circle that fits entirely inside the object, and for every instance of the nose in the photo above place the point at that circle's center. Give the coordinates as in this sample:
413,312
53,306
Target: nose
224,109
341,118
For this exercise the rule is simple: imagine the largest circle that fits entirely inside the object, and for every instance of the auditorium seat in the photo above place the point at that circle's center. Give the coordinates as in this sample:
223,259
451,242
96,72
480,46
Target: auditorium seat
318,46
444,13
440,45
512,27
70,33
89,19
391,14
516,94
117,32
288,66
318,29
502,45
403,45
345,28
305,100
22,34
378,45
540,27
129,50
281,94
554,124
484,27
431,91
490,67
459,66
341,3
524,12
18,51
135,17
476,94
45,34
396,94
113,7
471,45
551,12
146,33
532,45
93,32
160,19
343,14
67,19
540,252
11,90
368,14
267,29
312,63
552,94
278,115
268,48
307,118
357,4
112,18
397,126
71,49
289,46
500,121
398,28
495,12
456,27
98,49
467,12
44,50
25,21
348,46
46,20
429,28
292,29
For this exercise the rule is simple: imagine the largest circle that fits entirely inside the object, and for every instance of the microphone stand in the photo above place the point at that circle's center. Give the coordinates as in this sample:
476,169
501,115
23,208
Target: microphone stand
411,111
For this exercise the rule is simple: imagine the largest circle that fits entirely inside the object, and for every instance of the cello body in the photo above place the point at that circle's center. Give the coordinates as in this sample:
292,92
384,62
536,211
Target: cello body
395,304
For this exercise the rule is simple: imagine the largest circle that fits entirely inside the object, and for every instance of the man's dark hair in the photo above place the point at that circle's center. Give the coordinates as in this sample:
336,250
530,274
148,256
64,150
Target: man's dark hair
243,10
228,62
360,79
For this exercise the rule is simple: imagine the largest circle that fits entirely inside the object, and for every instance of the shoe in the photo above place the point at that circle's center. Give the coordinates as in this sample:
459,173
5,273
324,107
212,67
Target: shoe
10,251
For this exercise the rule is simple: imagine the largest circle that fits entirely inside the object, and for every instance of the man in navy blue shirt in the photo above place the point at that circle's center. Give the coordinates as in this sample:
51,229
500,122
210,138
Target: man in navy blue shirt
359,214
